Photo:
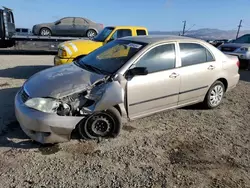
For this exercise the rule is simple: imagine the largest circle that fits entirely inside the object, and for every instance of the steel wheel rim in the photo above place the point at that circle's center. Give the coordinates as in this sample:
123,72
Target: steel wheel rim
91,34
100,124
216,95
45,32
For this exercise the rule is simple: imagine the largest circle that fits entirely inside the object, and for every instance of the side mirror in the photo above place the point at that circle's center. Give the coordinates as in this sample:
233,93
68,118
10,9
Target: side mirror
138,71
58,22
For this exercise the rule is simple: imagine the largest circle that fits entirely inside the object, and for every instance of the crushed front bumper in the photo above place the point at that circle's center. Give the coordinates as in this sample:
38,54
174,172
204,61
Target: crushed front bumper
44,127
61,61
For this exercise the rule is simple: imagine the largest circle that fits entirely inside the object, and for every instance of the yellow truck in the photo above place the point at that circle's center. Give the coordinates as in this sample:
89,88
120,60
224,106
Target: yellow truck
71,50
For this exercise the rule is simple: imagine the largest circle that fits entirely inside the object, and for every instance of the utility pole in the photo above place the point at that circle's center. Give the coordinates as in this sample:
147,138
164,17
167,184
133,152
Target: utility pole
184,27
239,26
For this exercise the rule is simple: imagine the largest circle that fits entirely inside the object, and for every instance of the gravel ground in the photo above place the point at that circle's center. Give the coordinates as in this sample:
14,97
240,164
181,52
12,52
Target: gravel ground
187,147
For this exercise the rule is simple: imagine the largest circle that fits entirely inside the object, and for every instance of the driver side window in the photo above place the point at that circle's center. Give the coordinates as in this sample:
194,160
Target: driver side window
67,21
160,58
121,33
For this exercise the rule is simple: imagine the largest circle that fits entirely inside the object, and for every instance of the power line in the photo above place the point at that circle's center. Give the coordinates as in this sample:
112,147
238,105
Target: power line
191,27
239,29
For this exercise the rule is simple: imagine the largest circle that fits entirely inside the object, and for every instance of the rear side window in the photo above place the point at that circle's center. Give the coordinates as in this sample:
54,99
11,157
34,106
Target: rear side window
80,21
140,32
192,54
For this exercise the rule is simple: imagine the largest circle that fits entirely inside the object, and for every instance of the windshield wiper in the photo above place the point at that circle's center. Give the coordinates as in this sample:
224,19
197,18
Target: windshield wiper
95,69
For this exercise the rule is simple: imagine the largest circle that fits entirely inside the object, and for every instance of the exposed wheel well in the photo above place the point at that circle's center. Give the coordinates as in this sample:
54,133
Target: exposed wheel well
224,81
118,108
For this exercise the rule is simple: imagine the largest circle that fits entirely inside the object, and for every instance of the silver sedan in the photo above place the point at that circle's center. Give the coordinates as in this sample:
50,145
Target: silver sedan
126,79
69,26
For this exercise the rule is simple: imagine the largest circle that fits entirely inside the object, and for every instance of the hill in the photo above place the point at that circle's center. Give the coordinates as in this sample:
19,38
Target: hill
205,33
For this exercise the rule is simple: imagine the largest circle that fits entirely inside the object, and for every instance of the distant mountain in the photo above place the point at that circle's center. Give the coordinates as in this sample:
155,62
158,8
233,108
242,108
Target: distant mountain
205,33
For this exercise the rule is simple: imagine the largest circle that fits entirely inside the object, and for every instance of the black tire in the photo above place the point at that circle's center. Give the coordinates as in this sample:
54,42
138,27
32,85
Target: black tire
91,33
45,30
207,102
87,128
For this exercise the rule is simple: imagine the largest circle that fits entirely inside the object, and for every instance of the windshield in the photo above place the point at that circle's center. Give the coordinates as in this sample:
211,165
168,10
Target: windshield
243,39
103,34
110,57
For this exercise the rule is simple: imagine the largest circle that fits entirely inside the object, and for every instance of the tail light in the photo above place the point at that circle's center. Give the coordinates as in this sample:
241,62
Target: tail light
238,63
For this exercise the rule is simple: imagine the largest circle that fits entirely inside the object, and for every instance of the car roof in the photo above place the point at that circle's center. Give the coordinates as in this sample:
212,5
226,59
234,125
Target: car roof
128,26
159,38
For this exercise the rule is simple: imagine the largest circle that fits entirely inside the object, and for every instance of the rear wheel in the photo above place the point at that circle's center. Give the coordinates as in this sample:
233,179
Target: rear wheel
214,95
91,33
45,32
101,124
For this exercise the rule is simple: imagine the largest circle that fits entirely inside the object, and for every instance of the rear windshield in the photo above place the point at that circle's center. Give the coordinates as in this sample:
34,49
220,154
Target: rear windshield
141,32
243,39
103,34
110,57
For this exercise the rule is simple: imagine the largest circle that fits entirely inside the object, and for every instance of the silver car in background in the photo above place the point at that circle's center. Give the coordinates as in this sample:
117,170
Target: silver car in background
126,79
69,26
240,48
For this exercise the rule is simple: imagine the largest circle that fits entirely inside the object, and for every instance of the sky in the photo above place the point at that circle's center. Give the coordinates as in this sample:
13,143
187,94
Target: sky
156,15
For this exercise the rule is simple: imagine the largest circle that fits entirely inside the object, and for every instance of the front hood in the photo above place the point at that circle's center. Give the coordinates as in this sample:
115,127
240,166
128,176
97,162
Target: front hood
79,47
60,81
44,24
236,45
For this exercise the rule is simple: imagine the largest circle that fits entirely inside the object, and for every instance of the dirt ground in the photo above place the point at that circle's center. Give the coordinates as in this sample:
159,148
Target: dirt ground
187,147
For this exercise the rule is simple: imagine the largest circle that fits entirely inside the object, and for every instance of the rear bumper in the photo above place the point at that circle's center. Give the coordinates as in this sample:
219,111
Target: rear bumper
60,61
233,82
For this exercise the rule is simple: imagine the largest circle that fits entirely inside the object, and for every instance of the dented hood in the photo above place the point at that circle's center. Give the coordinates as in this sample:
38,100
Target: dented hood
60,81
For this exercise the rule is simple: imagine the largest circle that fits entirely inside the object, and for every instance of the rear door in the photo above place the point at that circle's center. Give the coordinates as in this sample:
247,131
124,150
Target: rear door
198,71
80,27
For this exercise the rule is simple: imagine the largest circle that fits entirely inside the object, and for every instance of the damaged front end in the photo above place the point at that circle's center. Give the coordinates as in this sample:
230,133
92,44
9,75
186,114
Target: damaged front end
77,104
99,96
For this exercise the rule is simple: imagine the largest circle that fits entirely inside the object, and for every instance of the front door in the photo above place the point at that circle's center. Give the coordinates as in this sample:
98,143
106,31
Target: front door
65,27
80,27
198,71
159,89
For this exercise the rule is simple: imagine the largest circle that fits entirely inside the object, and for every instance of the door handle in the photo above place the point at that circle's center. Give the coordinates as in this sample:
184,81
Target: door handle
211,67
173,75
